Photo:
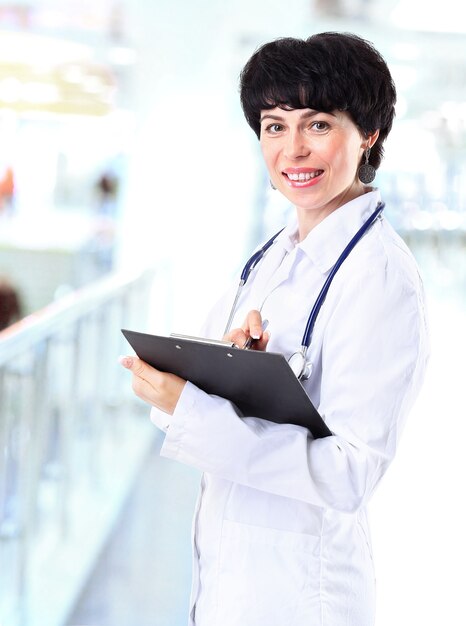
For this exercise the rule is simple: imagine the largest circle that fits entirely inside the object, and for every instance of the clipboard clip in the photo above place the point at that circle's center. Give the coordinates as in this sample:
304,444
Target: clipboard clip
214,342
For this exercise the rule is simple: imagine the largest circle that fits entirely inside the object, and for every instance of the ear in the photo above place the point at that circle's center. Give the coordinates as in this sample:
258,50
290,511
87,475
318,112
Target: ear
371,139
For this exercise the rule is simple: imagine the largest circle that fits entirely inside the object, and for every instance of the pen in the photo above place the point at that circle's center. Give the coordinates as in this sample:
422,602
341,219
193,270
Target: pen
250,340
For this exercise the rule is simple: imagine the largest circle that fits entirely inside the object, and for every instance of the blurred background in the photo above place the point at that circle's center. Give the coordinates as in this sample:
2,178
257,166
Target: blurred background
131,191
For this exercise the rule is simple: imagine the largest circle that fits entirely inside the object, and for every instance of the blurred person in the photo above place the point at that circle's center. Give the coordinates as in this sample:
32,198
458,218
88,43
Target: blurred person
107,193
7,191
329,8
10,307
280,533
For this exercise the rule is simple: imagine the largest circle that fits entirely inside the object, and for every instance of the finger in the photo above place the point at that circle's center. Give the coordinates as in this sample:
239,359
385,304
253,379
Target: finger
237,336
261,344
253,324
140,368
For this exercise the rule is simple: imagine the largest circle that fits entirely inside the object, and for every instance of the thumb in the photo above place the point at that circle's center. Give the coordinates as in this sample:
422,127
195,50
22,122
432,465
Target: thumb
126,361
132,363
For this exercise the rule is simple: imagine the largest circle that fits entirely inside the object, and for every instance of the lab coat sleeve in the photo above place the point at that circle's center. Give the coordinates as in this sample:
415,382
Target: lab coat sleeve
160,419
373,358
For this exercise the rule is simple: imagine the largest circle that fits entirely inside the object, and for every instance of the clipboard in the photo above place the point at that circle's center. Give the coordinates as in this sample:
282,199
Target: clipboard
260,384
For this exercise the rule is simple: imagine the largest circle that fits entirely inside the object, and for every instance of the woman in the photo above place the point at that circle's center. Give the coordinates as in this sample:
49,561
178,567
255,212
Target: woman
280,532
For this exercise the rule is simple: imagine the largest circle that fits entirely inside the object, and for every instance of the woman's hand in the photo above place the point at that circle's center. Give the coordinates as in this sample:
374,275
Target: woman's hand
160,389
251,329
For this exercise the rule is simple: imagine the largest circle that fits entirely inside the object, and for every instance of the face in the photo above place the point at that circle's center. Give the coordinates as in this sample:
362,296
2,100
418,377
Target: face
313,157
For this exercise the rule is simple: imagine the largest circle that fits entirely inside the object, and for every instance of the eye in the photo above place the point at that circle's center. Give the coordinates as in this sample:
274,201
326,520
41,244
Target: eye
274,128
320,126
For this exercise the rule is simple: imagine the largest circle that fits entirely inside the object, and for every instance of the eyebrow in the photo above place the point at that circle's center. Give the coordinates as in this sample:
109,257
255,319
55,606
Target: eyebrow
303,116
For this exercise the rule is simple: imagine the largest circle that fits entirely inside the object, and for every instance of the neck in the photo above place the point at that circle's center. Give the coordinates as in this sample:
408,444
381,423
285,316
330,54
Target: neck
309,219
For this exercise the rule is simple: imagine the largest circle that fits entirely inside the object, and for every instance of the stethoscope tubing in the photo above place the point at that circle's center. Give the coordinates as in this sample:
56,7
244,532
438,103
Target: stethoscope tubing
307,336
256,257
306,341
250,265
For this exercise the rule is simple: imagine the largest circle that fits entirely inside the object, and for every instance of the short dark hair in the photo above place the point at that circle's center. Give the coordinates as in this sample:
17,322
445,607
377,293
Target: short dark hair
326,72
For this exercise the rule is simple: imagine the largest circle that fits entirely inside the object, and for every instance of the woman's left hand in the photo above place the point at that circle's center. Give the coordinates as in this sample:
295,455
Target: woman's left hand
160,389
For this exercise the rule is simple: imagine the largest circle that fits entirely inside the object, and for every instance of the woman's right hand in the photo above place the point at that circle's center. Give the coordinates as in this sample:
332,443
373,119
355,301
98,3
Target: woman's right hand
251,329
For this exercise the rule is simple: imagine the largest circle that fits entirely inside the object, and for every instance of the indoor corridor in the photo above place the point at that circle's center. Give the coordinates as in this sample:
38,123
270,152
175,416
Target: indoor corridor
132,191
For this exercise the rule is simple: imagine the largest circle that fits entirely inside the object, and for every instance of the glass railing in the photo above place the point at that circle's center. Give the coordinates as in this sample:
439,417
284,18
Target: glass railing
72,438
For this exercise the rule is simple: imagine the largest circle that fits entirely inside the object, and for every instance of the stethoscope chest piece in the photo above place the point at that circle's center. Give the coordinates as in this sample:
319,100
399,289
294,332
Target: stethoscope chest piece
300,367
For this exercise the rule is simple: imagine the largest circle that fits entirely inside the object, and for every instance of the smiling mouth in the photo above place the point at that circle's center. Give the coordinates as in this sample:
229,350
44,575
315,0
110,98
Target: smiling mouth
302,177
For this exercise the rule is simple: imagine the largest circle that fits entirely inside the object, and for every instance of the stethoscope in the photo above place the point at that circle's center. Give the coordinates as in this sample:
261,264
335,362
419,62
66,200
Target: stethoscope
298,360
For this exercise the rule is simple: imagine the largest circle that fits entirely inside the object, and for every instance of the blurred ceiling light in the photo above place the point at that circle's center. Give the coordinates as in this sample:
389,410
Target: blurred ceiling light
429,15
10,90
93,84
29,48
73,74
46,74
40,93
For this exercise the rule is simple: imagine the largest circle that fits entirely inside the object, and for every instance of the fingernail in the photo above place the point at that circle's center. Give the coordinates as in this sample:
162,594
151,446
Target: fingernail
126,361
255,336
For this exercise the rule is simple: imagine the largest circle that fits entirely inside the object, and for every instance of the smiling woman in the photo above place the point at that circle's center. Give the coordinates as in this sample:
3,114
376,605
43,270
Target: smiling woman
327,73
281,534
317,113
312,158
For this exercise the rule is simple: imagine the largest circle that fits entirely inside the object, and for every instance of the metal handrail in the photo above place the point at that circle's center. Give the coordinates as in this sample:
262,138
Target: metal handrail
68,433
61,313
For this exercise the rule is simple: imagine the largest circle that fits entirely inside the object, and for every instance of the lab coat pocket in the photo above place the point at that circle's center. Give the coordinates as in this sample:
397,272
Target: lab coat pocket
267,576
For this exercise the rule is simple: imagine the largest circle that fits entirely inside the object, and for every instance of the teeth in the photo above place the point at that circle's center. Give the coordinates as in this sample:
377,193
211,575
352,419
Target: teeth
303,176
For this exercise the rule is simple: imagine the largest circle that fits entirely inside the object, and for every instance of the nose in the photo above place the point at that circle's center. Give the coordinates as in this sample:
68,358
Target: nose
296,146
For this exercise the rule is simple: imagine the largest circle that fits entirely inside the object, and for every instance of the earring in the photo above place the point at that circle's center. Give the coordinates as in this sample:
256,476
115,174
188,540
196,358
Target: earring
366,171
272,185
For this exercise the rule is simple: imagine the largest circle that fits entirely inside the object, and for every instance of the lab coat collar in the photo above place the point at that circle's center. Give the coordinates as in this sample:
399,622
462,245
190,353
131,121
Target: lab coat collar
288,238
326,241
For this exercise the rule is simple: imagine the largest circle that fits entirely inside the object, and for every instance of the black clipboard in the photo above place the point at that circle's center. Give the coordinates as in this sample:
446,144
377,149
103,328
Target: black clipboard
258,383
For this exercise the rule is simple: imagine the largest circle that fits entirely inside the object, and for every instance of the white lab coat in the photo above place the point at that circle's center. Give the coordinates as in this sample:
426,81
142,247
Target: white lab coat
280,531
